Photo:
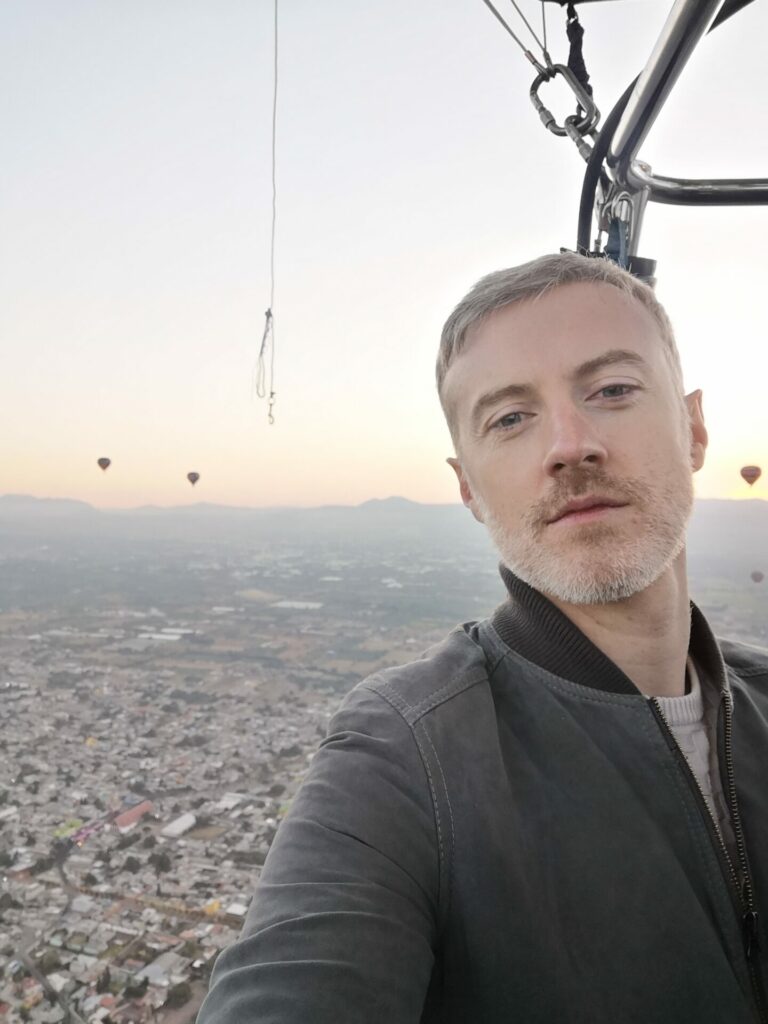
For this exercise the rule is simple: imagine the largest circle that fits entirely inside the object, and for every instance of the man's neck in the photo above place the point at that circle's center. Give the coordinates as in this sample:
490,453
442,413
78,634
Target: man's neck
646,635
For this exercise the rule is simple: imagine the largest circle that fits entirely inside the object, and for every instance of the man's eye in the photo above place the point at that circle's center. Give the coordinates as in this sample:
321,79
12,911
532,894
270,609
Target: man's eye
504,422
612,387
508,421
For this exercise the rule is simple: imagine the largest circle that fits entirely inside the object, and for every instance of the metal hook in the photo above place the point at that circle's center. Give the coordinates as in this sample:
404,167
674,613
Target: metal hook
582,122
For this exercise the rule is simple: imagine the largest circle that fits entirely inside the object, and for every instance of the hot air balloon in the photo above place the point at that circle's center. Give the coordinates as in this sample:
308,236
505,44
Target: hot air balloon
193,478
757,576
104,463
751,473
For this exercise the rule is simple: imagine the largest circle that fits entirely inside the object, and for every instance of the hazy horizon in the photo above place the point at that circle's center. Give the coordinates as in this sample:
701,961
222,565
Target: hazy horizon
390,499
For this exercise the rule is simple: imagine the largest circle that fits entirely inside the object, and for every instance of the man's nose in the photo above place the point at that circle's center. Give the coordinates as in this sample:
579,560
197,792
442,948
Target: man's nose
573,439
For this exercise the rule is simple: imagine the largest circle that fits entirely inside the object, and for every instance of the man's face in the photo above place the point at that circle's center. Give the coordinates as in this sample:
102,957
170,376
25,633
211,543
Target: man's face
617,430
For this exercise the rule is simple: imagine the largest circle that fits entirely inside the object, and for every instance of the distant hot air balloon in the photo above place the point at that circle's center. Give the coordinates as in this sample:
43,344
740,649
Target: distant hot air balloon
757,576
193,478
104,463
751,473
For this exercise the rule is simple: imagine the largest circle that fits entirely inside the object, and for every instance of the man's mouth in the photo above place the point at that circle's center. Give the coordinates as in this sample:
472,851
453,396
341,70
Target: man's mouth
587,513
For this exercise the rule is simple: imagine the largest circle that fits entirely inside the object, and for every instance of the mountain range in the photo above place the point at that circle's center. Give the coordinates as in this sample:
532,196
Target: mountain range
723,535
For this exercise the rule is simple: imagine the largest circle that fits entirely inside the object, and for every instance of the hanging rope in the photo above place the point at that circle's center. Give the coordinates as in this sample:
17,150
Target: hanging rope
542,46
544,24
267,349
526,52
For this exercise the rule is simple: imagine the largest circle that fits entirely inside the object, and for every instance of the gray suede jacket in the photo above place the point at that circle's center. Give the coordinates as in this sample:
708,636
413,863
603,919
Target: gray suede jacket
506,831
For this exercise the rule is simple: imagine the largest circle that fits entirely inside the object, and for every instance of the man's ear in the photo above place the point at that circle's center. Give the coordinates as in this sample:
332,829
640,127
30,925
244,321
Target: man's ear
699,436
464,489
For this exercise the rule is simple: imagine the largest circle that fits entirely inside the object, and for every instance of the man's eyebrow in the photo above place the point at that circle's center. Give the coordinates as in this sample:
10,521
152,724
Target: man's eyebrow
587,369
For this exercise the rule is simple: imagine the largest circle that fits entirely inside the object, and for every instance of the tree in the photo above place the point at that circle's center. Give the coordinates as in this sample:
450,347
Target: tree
131,864
41,864
104,981
7,902
49,961
179,994
136,989
161,862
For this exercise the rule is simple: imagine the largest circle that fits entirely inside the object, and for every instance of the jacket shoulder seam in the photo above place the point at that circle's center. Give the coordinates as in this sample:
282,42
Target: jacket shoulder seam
445,910
393,700
748,673
413,712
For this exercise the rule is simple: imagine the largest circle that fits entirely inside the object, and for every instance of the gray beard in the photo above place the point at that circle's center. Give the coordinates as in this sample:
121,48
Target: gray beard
604,563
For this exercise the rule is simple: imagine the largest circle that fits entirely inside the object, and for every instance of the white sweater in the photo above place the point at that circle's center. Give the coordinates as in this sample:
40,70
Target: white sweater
685,716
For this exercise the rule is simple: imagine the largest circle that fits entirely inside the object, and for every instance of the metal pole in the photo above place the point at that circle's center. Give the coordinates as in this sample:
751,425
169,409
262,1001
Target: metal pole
688,21
698,192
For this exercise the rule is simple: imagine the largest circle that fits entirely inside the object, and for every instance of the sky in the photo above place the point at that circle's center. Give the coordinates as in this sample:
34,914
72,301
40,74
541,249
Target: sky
135,211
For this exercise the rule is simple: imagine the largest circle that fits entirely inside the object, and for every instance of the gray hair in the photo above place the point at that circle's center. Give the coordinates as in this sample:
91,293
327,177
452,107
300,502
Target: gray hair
531,280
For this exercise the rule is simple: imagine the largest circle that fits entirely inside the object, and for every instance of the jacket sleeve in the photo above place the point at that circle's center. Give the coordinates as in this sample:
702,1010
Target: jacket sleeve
342,923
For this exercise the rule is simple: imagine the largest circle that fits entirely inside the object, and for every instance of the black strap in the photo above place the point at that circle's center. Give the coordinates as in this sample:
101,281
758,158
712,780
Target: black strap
616,247
575,31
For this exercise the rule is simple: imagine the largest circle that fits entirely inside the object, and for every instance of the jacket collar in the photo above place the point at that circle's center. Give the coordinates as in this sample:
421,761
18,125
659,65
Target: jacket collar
535,628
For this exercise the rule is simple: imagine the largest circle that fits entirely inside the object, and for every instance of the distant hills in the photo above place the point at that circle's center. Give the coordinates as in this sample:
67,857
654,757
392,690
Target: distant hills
723,535
26,504
13,505
374,522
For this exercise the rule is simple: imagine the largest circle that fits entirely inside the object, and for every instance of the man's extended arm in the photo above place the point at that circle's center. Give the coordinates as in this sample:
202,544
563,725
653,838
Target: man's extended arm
342,925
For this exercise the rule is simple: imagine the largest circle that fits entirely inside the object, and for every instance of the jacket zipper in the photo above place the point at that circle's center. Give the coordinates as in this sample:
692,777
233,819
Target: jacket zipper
750,919
744,892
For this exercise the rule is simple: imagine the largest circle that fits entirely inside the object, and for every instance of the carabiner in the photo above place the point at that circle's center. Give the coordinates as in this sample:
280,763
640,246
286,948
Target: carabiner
583,122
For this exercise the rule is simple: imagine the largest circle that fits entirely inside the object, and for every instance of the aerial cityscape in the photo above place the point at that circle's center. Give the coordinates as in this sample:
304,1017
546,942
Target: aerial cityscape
233,234
166,678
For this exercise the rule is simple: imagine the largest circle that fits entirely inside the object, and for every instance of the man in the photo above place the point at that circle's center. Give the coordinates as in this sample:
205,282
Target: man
559,814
